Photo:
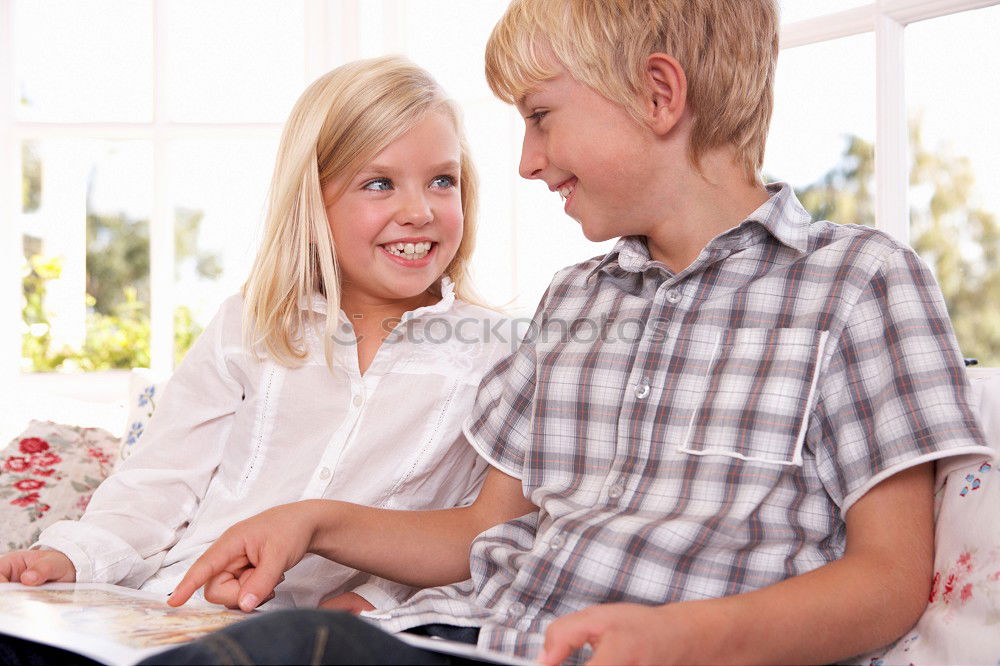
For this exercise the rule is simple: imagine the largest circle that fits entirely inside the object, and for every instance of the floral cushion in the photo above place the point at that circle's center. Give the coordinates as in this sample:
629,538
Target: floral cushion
143,393
48,473
962,622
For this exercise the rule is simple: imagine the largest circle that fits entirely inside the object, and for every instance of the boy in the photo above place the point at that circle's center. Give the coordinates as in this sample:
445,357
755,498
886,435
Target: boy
738,467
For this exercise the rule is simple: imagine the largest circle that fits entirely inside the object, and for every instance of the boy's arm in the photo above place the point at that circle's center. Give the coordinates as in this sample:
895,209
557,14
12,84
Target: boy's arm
419,548
848,607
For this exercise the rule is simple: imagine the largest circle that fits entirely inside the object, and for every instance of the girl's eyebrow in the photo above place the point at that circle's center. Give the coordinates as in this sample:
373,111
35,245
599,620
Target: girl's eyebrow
447,165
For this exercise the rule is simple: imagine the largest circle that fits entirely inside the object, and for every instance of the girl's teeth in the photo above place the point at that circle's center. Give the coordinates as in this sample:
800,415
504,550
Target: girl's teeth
564,192
410,251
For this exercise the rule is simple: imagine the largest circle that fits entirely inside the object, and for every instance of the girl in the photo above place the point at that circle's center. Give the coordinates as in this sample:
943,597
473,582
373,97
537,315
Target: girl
344,369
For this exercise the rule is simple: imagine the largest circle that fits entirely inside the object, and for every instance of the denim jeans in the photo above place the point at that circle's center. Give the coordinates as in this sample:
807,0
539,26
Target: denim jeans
19,652
312,637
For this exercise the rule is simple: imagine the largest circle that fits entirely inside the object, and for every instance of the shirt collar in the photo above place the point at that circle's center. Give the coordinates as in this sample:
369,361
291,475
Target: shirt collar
782,216
317,303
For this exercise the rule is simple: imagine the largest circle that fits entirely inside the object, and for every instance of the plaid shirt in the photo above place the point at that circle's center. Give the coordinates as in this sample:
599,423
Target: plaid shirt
700,434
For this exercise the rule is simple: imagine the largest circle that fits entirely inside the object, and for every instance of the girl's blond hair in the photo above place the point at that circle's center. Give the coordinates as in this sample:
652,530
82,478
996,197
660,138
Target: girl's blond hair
728,49
339,124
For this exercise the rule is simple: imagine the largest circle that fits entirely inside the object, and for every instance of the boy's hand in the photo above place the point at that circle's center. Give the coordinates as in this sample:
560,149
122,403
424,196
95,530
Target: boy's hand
633,634
245,564
34,567
348,601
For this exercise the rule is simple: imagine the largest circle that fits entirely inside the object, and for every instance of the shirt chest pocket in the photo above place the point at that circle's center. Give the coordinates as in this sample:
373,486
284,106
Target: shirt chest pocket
756,395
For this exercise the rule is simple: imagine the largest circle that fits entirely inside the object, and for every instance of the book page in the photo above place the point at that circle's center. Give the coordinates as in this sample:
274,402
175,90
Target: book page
111,624
463,650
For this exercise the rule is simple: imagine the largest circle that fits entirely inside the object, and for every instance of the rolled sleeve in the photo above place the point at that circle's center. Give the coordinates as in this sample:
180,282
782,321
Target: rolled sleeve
499,427
895,393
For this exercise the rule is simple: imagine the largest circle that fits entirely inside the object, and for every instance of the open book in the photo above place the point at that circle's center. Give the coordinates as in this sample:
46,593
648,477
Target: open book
120,626
107,623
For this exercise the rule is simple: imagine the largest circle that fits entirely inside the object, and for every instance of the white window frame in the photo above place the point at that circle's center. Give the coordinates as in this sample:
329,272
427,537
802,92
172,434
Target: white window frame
887,19
325,22
332,29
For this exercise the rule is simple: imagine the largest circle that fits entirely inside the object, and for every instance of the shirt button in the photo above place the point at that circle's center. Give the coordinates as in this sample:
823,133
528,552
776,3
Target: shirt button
615,491
558,541
358,400
673,296
516,609
642,390
324,473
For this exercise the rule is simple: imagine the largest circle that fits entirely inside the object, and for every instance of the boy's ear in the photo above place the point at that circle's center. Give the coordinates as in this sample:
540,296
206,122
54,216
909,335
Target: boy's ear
666,92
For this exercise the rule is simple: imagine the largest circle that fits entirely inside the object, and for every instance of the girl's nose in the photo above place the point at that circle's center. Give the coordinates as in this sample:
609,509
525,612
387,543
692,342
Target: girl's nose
415,211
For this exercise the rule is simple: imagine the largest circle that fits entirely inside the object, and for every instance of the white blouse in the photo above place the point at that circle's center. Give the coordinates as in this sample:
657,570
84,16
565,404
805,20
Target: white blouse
233,436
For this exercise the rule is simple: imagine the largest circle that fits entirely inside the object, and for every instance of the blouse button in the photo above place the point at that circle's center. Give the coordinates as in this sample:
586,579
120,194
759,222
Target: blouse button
557,542
673,296
357,400
324,473
615,491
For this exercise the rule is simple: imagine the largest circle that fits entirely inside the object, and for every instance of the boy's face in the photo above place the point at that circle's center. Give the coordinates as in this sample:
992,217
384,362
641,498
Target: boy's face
592,152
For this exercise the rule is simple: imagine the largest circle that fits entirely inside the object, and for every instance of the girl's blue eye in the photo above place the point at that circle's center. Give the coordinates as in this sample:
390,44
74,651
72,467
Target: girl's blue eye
378,185
443,181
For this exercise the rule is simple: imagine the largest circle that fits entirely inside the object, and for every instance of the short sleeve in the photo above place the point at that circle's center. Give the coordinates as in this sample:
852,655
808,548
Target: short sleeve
895,392
499,427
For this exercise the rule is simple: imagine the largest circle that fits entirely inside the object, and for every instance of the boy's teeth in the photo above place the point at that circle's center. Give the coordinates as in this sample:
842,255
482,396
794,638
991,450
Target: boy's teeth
409,251
564,192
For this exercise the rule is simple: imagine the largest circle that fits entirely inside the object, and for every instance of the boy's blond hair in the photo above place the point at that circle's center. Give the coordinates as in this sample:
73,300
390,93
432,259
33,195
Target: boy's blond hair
339,124
728,49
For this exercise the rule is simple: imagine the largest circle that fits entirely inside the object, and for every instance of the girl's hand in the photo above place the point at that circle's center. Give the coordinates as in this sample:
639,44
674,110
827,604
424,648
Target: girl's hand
34,567
242,568
348,601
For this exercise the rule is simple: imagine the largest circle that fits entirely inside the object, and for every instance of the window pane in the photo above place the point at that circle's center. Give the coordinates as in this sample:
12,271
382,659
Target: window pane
798,10
954,201
233,60
83,61
218,190
823,130
85,223
468,26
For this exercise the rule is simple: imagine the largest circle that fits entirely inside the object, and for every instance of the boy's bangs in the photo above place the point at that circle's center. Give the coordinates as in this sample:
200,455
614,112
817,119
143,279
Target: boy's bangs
517,58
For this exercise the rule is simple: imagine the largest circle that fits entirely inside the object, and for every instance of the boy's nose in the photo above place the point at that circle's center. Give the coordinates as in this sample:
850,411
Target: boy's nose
532,159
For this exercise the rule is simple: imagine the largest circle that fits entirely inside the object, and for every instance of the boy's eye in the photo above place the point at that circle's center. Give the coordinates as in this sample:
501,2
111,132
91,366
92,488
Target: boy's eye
443,181
537,116
378,185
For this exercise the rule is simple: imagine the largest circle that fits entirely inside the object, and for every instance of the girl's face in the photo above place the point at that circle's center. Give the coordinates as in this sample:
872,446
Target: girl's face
398,223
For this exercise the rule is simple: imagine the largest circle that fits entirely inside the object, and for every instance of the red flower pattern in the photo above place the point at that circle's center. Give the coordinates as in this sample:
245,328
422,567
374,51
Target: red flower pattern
47,459
33,445
25,500
98,455
949,587
935,585
966,593
17,464
965,561
29,484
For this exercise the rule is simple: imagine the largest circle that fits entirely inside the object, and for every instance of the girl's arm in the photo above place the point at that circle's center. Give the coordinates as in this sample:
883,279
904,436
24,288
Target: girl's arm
141,510
419,548
849,607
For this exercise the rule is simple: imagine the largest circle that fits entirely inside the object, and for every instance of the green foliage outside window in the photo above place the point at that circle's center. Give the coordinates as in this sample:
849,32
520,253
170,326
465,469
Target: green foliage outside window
959,241
118,340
